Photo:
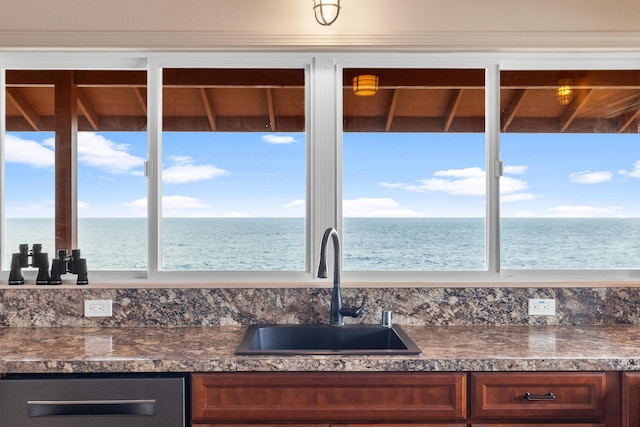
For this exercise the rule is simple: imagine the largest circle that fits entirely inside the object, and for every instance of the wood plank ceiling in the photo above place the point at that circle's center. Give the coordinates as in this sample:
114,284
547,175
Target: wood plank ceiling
416,100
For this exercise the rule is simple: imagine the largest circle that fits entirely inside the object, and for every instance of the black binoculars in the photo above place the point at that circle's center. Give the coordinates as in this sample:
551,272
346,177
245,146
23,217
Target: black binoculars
61,265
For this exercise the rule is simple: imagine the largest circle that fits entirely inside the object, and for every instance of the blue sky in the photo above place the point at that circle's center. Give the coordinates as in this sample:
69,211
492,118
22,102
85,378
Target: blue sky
394,175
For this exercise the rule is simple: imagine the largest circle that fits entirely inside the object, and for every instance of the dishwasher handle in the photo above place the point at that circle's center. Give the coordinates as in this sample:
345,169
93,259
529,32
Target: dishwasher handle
50,408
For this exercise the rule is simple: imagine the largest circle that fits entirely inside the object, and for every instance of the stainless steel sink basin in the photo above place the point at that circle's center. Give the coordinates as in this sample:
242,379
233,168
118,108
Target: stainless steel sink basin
326,339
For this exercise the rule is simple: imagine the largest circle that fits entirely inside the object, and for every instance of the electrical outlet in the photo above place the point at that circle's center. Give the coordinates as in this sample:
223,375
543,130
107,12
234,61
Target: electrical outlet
542,307
97,308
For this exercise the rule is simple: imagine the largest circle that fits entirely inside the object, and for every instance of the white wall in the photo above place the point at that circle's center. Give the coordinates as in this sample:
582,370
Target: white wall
419,25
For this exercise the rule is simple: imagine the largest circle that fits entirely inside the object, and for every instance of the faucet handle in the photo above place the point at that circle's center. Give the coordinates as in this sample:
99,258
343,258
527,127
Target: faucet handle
352,310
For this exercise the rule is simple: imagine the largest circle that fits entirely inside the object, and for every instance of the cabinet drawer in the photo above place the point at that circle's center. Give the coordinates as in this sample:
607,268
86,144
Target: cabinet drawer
552,396
540,425
328,397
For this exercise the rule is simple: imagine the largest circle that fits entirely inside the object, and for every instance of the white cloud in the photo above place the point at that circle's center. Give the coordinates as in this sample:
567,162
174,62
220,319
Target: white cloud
376,207
172,206
392,185
137,207
278,139
97,151
470,182
42,209
510,185
462,182
28,152
569,211
516,170
465,173
517,197
185,171
181,160
457,182
588,177
635,173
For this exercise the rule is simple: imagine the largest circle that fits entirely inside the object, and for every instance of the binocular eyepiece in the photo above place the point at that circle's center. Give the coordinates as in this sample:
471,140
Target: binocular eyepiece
61,265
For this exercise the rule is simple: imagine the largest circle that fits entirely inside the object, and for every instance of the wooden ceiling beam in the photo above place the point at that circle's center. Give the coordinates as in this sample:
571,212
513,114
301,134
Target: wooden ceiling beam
579,99
271,109
452,108
234,78
95,78
592,79
390,78
141,96
392,109
87,109
631,119
512,109
22,105
208,106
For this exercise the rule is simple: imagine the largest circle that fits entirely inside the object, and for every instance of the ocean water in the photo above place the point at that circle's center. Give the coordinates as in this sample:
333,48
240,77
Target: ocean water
376,244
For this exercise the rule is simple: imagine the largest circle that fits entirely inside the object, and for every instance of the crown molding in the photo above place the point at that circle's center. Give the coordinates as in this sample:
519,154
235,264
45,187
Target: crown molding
453,41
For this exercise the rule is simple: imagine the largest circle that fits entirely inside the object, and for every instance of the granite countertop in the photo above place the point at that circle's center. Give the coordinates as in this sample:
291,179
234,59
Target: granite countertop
211,349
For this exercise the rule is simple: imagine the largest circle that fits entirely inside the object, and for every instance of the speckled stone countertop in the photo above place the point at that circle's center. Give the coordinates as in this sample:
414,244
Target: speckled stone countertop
211,349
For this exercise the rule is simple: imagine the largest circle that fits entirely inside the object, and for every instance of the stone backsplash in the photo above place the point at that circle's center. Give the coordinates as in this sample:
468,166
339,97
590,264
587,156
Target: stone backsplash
24,307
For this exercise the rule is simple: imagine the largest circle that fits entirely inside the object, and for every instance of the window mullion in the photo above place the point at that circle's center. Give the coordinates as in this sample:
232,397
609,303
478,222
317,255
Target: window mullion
154,161
324,153
493,168
3,129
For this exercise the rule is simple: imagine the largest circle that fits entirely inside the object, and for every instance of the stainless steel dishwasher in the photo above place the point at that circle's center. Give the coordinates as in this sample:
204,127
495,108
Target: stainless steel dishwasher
125,401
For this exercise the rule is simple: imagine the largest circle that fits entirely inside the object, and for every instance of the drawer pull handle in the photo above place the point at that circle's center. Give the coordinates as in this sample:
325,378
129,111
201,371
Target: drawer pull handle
534,397
48,408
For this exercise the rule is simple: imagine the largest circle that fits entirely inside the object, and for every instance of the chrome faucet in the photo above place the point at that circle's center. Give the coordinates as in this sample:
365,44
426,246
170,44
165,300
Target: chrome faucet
337,310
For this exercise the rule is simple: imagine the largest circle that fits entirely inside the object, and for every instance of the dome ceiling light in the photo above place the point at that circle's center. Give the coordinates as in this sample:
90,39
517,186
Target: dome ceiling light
326,11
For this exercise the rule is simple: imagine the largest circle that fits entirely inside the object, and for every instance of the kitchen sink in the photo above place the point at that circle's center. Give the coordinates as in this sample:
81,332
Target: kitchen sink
326,339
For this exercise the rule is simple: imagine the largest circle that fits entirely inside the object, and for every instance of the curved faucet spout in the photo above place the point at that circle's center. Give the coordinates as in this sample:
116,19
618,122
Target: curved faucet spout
337,311
322,268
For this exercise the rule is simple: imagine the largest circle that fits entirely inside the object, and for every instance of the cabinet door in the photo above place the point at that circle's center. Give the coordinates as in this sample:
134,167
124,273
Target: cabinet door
329,398
631,399
538,425
544,397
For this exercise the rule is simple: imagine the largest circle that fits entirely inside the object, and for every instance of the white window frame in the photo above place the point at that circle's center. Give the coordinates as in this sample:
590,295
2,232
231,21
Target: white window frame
323,129
559,61
316,145
129,61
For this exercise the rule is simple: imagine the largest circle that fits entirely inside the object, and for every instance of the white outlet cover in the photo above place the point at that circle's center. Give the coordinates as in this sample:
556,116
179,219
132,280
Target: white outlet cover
98,308
542,307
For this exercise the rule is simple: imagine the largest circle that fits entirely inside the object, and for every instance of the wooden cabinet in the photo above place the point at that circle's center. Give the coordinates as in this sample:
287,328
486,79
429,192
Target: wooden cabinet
329,398
547,399
413,399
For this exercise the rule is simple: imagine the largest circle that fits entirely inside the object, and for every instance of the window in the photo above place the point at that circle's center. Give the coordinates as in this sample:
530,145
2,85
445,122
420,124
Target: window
75,146
112,149
233,170
29,166
571,152
227,168
414,182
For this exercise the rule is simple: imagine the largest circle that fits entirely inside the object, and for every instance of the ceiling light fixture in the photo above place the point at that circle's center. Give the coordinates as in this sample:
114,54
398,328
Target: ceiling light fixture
564,93
326,11
365,85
